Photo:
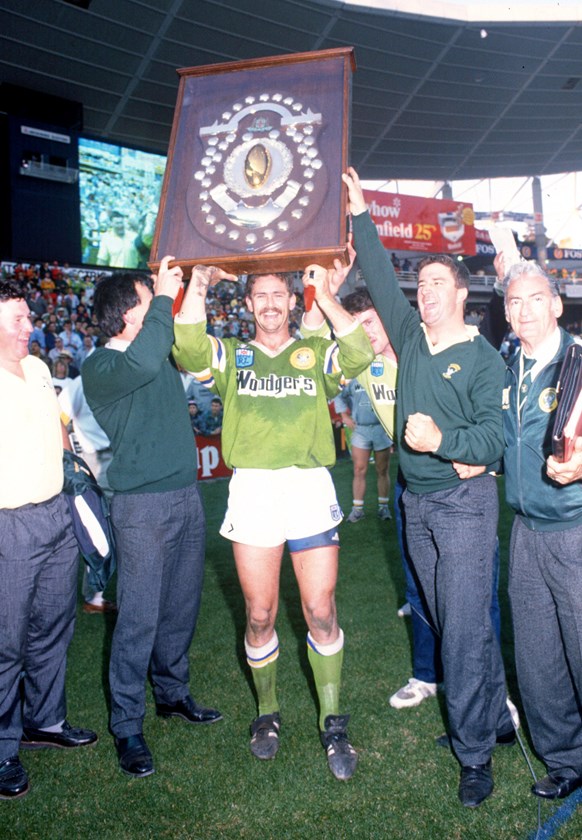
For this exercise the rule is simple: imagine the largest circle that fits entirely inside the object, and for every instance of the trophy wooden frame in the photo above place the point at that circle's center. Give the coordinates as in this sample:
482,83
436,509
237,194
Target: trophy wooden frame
253,178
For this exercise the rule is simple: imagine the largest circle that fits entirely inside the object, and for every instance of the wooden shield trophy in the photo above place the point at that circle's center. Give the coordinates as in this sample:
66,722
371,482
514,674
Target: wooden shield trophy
253,179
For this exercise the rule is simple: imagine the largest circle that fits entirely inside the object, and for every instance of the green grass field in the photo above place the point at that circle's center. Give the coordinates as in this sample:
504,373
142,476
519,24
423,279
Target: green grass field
207,785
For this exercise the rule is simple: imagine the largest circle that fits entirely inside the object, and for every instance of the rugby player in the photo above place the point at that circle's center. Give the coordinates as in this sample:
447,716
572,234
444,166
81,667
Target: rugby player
277,436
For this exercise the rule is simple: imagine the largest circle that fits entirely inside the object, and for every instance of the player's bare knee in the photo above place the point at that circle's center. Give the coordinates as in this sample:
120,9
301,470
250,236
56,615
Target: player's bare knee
322,621
261,623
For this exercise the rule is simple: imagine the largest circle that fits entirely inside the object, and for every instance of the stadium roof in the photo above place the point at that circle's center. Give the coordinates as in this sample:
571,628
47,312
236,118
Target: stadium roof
450,97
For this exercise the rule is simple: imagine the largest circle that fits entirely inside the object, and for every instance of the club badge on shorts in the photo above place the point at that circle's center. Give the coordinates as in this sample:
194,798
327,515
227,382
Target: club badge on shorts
244,357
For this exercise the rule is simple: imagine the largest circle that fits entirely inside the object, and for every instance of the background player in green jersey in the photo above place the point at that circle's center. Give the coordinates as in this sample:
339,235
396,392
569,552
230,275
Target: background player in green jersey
277,436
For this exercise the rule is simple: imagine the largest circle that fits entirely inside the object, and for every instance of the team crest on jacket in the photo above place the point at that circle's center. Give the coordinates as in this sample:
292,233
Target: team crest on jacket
377,368
452,369
244,357
548,401
303,358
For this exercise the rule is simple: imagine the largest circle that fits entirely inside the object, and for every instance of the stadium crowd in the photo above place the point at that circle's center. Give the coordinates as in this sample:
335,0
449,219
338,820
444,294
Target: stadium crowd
60,300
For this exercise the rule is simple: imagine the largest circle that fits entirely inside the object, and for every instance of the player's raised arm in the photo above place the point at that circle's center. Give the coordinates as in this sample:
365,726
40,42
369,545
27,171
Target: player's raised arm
319,277
193,308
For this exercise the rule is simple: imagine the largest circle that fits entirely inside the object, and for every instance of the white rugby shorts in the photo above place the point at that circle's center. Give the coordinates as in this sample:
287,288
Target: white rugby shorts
268,507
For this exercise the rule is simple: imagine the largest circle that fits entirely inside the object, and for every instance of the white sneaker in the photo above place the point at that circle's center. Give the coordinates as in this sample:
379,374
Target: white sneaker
404,610
355,515
384,512
514,714
412,694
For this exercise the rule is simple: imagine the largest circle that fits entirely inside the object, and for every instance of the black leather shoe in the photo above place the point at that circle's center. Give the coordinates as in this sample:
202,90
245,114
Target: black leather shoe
476,784
13,779
507,739
68,737
189,710
135,759
554,786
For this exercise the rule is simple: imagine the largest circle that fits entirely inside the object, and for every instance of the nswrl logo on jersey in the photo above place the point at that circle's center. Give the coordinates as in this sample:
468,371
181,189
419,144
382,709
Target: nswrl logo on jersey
244,357
377,368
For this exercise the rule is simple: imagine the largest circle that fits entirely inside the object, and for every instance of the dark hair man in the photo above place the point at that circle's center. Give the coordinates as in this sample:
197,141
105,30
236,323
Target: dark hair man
448,410
358,410
137,397
277,435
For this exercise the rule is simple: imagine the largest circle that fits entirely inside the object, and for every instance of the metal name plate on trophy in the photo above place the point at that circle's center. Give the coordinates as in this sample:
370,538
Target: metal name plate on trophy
253,180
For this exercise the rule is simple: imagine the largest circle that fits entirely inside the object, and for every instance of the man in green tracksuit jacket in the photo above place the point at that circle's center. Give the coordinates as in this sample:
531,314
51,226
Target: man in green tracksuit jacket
545,565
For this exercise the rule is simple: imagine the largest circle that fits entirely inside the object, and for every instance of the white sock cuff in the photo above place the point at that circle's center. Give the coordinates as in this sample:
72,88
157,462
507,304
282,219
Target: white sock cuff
258,657
326,650
56,727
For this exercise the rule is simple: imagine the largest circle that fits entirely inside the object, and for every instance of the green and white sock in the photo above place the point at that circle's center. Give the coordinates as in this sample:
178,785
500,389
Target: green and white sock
263,664
326,663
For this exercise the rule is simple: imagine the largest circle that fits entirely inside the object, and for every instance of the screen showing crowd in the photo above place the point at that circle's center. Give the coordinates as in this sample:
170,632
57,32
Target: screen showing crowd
119,193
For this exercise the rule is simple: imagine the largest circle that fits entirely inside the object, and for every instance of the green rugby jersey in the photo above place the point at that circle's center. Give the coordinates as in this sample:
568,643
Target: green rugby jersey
275,404
378,380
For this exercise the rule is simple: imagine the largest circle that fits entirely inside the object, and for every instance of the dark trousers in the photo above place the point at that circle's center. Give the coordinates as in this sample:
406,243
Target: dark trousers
426,661
451,538
545,590
160,539
38,592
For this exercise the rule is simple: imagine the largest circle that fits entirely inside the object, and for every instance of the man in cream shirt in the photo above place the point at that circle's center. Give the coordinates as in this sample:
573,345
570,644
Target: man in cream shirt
38,555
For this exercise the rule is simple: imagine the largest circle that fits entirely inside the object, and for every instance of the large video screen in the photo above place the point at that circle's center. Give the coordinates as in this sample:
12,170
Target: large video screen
119,193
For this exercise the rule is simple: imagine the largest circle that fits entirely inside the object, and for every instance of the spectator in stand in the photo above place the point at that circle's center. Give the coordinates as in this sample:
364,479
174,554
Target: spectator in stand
71,301
61,376
50,336
211,420
47,284
36,350
234,324
37,333
194,416
71,339
57,351
83,316
86,349
50,310
37,303
56,274
195,390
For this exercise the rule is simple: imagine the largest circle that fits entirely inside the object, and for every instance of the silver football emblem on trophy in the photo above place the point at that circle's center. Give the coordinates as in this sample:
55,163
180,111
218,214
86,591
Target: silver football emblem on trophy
259,171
